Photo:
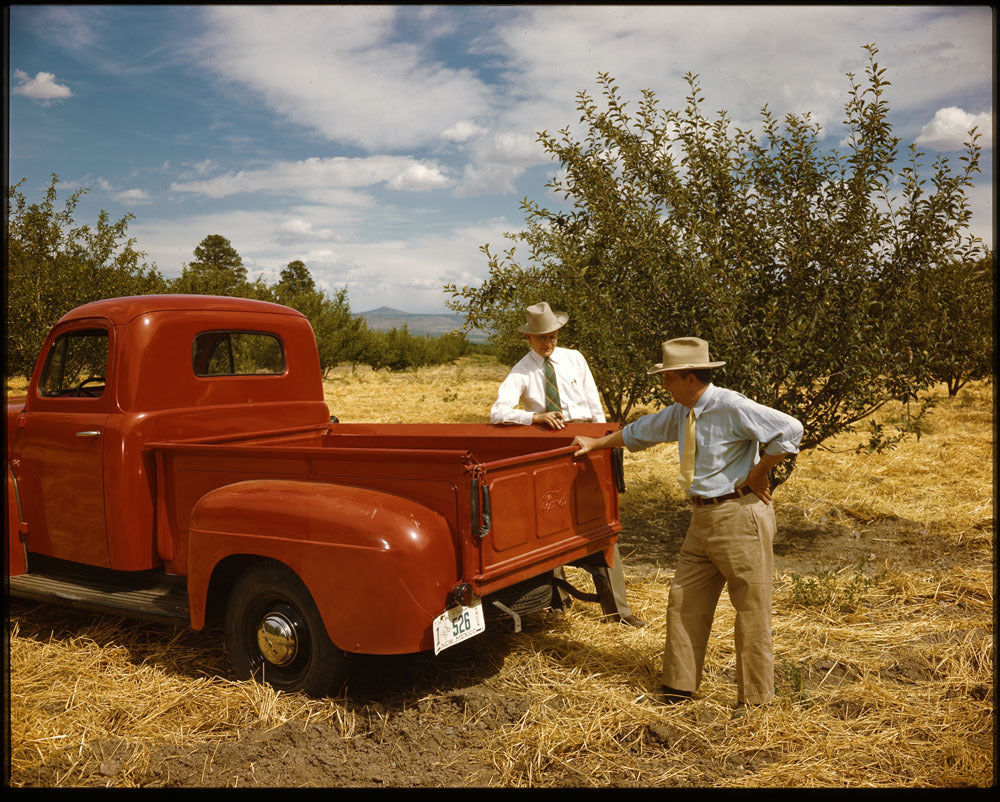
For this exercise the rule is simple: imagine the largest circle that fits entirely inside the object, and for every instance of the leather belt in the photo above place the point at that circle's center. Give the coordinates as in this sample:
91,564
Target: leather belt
739,492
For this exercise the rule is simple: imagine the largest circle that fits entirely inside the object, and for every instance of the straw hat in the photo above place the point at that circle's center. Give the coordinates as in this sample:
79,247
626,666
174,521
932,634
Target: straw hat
684,353
542,320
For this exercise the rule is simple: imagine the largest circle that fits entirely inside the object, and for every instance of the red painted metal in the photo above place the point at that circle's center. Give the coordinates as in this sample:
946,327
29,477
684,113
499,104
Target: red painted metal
189,473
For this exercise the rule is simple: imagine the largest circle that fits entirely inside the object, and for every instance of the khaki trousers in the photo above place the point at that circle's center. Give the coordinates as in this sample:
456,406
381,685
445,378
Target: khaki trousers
726,544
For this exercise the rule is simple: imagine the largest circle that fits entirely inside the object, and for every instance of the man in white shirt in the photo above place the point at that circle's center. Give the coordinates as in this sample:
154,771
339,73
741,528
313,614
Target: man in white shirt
555,387
729,542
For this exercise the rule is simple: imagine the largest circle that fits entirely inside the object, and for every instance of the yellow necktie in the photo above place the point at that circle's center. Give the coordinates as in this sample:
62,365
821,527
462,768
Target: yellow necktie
687,458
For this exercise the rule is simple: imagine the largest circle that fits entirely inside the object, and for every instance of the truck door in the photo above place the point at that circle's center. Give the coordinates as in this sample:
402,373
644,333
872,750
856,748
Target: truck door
62,433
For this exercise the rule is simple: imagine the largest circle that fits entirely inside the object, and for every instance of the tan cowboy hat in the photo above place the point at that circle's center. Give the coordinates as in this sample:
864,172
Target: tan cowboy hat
542,320
684,353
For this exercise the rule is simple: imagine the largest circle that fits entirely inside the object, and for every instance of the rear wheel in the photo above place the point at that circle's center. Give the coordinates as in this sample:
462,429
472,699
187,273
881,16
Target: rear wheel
275,634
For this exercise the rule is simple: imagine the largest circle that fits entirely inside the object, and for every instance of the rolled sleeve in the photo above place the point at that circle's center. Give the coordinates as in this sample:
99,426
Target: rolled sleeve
779,432
788,440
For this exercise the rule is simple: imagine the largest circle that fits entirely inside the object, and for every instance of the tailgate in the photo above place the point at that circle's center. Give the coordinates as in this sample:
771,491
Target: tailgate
534,513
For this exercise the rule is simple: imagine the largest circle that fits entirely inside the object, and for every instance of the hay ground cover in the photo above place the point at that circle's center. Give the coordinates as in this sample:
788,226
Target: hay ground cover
884,647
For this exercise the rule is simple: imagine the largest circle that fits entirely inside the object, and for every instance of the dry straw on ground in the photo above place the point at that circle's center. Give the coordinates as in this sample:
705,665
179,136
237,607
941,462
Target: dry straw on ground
883,632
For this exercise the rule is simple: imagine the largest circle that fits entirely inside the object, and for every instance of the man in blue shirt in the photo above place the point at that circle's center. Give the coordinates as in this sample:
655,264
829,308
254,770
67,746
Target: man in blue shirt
729,541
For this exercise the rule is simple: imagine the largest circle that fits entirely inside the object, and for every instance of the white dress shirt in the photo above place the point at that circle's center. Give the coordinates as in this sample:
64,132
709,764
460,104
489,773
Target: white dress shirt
728,430
525,385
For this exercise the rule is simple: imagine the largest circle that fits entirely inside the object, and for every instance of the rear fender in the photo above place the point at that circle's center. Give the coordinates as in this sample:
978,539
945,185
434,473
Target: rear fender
378,566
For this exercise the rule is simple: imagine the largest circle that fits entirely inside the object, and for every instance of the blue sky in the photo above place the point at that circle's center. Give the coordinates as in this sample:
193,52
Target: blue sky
383,145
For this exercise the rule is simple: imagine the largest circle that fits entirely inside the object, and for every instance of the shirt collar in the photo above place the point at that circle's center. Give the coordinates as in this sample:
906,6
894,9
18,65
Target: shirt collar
704,400
539,360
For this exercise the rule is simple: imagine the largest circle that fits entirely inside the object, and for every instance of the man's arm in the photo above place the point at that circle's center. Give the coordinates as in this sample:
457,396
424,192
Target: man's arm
779,432
508,397
588,444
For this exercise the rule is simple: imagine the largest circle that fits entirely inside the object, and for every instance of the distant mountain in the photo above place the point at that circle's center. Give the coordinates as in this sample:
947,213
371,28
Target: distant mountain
385,318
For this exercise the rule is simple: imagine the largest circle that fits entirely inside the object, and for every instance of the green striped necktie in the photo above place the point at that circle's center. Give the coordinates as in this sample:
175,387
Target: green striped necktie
551,388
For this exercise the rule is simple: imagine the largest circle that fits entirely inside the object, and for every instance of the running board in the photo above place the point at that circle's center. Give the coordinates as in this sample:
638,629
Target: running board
149,595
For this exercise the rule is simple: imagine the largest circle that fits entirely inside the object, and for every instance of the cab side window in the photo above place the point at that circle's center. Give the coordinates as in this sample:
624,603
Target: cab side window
237,353
76,365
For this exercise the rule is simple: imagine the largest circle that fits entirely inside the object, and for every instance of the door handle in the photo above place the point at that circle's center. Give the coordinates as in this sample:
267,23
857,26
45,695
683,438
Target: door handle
88,434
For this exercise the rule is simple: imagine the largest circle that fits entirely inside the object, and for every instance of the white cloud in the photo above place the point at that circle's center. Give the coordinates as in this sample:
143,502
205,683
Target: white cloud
296,227
133,196
342,71
314,174
204,167
949,129
345,72
517,148
407,272
983,222
792,58
463,131
497,162
489,178
416,177
298,230
42,87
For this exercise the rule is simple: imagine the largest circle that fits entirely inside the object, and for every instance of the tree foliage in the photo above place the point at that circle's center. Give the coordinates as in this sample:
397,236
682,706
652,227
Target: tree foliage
953,335
398,349
218,269
340,335
802,267
55,263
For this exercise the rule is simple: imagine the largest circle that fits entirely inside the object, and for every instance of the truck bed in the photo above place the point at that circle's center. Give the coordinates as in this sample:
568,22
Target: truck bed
516,500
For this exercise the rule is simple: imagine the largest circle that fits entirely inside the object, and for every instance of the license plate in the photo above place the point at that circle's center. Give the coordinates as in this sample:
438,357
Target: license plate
458,624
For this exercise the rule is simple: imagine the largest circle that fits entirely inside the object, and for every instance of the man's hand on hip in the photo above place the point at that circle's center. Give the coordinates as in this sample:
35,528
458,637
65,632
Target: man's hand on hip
758,480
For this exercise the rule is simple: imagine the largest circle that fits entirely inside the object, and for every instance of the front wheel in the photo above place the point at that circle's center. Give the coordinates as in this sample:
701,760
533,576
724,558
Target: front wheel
275,634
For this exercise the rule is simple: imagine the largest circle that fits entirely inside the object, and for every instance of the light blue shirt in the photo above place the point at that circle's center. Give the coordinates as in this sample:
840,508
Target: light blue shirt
729,427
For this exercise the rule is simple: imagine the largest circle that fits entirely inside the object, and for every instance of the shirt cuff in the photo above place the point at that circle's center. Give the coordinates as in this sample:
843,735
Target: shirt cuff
519,417
780,447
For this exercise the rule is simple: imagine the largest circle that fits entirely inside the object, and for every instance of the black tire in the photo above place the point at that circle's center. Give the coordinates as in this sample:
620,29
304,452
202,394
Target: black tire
275,634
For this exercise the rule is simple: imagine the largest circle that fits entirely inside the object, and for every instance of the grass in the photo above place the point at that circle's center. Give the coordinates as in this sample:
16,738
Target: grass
883,620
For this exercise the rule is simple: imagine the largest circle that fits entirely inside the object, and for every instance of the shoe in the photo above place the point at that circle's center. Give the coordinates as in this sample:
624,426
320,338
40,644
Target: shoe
630,620
671,696
743,708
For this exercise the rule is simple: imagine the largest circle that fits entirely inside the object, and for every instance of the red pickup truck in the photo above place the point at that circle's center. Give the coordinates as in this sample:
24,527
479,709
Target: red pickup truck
174,459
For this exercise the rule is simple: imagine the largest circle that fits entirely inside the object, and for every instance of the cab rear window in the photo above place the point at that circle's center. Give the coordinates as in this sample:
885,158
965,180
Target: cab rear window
237,353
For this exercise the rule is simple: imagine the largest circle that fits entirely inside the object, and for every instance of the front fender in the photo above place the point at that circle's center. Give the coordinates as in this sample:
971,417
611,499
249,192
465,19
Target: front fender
378,566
